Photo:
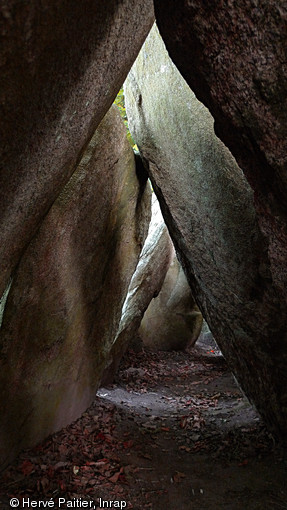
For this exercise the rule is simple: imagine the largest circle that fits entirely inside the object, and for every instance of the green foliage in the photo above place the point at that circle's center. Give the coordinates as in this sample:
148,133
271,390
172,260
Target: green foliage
120,102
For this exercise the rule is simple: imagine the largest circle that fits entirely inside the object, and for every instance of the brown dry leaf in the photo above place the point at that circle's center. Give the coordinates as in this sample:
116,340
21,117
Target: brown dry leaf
62,485
185,448
92,481
27,467
128,444
116,476
183,422
44,483
178,477
84,481
216,396
146,456
63,450
101,464
59,465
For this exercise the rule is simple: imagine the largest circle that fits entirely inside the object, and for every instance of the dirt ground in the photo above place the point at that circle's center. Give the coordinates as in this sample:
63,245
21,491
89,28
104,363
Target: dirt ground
174,432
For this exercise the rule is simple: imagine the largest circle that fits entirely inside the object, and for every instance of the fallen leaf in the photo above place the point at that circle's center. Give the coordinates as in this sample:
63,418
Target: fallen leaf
146,456
183,422
62,485
27,467
185,448
215,396
60,465
116,476
44,483
178,477
128,444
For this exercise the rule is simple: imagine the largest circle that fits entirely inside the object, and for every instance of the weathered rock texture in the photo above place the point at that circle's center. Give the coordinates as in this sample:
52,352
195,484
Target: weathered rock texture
233,55
65,302
146,283
234,58
61,64
208,207
172,321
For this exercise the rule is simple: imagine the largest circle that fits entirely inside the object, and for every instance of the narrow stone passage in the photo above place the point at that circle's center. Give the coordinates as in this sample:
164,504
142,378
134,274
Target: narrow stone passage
175,432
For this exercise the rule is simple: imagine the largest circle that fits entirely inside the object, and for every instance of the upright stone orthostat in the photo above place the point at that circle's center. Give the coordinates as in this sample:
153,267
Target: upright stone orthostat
62,63
172,321
64,306
208,207
146,283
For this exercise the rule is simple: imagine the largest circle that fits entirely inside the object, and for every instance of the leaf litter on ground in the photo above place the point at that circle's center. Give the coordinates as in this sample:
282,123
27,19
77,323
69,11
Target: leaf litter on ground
178,406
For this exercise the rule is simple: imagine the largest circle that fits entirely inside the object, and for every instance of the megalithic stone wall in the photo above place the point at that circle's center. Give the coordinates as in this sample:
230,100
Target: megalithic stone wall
233,56
62,63
208,206
172,321
65,302
146,283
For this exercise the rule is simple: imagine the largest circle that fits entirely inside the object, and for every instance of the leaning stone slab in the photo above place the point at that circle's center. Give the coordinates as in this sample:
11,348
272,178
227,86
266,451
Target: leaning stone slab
64,305
172,321
61,66
208,207
233,56
146,283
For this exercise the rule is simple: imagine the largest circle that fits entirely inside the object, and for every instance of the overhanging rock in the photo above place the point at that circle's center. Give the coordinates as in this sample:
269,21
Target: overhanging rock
62,63
64,306
208,207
